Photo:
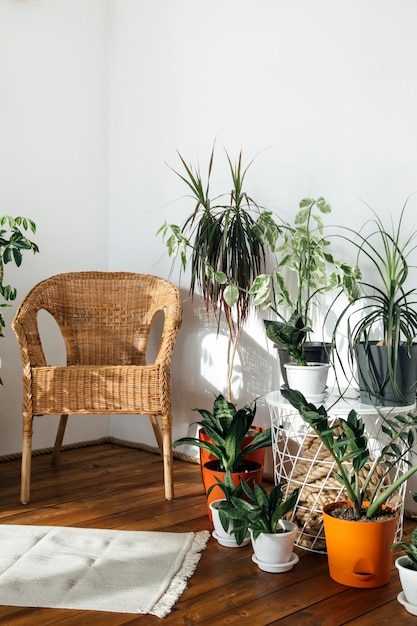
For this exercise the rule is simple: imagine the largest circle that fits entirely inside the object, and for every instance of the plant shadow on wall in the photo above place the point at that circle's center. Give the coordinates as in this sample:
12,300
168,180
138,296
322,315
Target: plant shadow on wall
224,241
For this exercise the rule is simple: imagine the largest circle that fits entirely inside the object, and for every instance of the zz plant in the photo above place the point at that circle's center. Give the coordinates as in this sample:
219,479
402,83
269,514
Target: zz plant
348,444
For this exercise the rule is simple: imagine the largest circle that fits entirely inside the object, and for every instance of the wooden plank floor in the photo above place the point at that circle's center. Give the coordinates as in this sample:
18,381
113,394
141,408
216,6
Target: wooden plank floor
110,486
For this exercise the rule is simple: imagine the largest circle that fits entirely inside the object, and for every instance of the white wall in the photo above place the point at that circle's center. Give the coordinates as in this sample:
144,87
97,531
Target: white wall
53,164
324,91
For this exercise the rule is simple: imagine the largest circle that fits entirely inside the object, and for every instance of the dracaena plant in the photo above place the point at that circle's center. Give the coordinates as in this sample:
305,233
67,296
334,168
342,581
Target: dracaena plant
227,427
224,241
348,443
13,243
258,510
304,254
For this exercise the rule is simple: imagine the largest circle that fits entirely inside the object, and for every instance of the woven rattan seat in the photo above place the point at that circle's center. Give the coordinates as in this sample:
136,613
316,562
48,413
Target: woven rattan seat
105,319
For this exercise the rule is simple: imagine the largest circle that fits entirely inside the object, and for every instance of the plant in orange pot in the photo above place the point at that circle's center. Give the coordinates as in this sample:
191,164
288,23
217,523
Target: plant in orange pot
360,531
227,429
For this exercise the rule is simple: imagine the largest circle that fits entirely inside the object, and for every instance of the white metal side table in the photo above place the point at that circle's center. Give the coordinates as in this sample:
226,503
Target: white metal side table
301,460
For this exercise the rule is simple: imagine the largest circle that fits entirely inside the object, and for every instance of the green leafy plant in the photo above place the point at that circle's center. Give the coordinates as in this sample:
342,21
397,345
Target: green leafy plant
224,242
348,443
385,308
13,243
229,490
227,427
409,547
258,510
304,253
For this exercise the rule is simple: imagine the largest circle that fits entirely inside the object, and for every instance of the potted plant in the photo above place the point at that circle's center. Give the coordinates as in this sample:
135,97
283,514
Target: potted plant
227,428
407,570
381,320
224,527
224,241
13,242
364,521
307,264
263,514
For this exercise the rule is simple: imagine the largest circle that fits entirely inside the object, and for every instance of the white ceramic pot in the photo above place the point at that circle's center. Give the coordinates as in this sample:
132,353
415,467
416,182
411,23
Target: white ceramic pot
275,548
310,379
223,537
408,579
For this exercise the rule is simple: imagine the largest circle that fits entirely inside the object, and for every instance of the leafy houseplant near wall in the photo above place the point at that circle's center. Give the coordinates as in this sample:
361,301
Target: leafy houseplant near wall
407,569
13,242
309,263
224,241
263,514
382,319
364,521
227,428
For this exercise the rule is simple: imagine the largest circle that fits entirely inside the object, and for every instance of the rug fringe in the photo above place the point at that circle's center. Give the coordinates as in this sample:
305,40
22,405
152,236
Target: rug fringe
179,582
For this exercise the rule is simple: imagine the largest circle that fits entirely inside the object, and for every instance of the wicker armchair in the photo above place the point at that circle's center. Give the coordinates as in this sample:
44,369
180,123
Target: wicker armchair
105,320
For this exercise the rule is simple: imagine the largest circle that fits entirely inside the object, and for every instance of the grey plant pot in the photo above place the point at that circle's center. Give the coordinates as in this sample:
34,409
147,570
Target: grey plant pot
374,386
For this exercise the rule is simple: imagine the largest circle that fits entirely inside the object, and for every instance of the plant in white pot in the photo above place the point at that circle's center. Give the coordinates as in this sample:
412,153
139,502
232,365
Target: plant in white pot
407,570
263,513
306,269
364,520
224,527
381,321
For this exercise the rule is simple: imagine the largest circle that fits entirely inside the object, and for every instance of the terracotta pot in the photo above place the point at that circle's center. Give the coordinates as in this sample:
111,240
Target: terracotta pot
251,472
257,457
359,553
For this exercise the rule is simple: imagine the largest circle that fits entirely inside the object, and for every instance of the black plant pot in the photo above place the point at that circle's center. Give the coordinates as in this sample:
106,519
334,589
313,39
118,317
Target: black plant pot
374,385
314,351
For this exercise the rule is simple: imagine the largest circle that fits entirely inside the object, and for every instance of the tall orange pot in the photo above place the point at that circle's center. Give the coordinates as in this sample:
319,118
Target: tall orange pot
359,553
251,472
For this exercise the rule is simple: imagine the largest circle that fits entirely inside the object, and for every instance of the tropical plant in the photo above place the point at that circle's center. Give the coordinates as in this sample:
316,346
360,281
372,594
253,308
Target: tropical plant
224,241
227,427
258,510
229,490
13,243
305,253
409,547
348,443
385,309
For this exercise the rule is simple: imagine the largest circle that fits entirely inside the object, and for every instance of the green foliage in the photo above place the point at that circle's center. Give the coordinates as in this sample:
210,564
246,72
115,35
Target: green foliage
258,510
385,309
347,442
224,241
409,547
227,427
13,244
305,253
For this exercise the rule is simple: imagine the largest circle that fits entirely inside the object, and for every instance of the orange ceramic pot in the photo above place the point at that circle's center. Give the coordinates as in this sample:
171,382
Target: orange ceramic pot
359,553
251,472
257,457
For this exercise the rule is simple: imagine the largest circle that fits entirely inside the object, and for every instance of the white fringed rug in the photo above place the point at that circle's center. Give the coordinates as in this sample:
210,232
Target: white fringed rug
97,570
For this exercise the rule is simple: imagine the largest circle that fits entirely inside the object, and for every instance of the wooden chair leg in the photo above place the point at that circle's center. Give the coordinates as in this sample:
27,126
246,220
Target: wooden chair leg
59,438
158,434
168,456
26,462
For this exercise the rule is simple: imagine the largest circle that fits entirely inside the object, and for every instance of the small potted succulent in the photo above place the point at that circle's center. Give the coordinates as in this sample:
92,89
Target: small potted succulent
407,569
364,520
263,513
225,528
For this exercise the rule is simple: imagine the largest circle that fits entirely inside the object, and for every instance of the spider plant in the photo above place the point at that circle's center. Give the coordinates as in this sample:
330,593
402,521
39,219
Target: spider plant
348,443
224,241
13,242
384,314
